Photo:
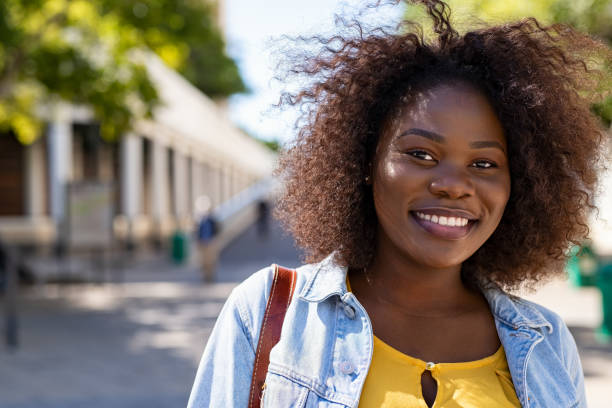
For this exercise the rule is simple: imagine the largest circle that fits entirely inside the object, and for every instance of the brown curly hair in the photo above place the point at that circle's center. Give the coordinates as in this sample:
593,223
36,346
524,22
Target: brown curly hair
539,80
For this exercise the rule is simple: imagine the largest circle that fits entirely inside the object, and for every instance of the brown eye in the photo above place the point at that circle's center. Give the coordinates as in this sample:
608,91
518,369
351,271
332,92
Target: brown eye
484,164
421,154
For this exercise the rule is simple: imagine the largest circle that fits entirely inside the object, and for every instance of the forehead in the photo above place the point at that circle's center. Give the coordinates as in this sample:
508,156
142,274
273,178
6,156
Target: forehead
457,109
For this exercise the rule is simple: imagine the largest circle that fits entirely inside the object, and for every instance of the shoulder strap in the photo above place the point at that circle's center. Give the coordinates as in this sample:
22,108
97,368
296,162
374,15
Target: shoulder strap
278,302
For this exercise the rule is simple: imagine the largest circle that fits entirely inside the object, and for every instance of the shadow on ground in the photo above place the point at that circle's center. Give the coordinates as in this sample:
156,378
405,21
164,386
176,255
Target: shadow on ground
124,350
129,344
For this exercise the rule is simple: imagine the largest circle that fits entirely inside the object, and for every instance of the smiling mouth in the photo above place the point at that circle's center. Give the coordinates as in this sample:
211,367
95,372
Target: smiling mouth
444,226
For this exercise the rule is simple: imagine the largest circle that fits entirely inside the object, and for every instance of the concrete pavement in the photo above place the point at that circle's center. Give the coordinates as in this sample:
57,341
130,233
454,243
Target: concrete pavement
131,344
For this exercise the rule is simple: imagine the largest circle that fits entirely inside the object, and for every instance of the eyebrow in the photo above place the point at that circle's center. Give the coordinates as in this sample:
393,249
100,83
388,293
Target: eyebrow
424,133
441,139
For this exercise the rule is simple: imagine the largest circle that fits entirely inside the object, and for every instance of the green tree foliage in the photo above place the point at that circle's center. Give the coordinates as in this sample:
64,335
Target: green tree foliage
590,16
184,34
86,52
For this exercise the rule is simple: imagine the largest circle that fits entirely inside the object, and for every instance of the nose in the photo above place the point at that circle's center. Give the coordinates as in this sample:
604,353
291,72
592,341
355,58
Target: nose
452,183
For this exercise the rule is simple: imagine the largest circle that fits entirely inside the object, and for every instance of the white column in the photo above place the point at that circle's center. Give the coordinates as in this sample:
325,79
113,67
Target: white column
35,196
212,183
206,181
197,183
60,163
237,180
131,168
228,188
159,181
231,181
217,183
180,185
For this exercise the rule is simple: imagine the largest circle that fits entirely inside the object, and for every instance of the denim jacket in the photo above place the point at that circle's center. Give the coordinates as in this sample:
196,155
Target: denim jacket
325,350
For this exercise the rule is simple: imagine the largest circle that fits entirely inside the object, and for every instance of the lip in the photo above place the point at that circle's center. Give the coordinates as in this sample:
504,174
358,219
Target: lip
445,231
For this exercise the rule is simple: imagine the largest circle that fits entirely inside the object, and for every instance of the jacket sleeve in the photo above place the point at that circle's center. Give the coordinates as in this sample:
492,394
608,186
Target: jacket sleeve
224,375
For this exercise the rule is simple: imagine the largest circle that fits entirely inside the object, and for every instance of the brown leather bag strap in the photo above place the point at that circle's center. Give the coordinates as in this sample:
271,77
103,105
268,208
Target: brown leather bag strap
271,326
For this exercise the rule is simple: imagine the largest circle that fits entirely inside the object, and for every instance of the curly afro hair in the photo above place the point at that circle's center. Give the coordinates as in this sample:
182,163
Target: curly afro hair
540,81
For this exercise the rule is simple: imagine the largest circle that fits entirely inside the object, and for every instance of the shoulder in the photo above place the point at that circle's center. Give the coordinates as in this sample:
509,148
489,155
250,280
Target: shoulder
555,333
254,291
542,313
556,351
515,312
249,298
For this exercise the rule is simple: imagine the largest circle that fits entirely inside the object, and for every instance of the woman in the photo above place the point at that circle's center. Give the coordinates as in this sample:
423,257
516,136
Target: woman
430,179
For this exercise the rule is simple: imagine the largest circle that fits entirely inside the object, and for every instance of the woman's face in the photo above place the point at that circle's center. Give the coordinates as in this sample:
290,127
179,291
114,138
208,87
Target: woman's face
440,177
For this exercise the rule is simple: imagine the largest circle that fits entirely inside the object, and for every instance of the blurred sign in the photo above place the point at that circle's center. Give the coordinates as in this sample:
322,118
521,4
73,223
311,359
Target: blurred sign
90,215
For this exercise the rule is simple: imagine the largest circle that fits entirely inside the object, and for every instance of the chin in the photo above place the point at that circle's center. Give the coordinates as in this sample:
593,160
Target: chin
443,260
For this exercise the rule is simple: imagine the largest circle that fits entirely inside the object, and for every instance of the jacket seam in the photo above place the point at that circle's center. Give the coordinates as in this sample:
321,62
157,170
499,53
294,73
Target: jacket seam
333,350
529,352
246,323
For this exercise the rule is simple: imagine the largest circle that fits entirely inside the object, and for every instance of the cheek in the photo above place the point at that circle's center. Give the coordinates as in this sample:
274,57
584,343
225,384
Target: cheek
391,184
385,203
385,180
388,191
497,195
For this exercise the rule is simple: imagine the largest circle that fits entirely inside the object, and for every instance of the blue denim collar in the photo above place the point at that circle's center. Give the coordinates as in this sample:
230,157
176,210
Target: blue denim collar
514,311
328,279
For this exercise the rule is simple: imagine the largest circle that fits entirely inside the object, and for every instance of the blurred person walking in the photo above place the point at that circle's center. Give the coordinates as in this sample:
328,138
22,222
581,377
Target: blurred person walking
263,218
206,231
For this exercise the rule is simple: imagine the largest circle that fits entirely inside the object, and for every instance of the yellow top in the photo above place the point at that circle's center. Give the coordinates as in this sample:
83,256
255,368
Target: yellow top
394,380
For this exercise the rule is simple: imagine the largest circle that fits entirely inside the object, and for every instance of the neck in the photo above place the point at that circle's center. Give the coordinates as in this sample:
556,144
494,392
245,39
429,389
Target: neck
401,282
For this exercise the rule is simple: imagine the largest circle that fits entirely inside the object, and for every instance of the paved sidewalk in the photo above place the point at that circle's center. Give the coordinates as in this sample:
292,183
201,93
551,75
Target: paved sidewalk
132,344
137,344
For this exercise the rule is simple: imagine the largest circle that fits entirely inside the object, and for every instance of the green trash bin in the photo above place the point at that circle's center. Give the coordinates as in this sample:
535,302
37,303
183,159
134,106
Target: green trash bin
582,266
604,283
179,247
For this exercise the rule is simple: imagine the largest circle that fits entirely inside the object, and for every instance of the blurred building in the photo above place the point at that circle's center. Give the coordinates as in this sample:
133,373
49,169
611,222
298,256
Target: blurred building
154,173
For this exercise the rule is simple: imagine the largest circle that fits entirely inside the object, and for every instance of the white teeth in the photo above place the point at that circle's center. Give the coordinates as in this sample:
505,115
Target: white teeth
442,220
